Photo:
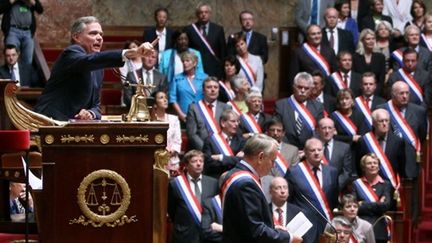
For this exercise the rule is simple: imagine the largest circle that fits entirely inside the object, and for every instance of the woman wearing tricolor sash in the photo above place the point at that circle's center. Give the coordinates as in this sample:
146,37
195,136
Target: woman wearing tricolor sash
231,69
374,196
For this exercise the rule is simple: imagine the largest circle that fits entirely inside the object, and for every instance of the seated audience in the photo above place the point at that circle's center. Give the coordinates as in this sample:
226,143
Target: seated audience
188,191
374,195
170,62
241,88
17,70
187,87
362,229
223,150
253,121
174,139
231,69
203,117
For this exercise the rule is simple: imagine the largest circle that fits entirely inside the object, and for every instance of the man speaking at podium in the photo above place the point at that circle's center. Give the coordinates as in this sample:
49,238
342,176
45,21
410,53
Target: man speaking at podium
73,90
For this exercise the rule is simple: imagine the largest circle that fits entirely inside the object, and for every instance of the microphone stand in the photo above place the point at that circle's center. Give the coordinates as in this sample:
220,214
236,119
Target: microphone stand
320,214
27,198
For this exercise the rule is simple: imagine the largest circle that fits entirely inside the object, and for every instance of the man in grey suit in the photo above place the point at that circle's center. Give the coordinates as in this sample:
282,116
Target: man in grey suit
146,75
196,123
307,13
338,154
299,124
275,129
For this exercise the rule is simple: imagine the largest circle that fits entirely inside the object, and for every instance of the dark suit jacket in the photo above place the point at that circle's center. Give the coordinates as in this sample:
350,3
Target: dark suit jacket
28,75
75,83
298,187
329,103
394,150
208,217
416,117
345,38
358,119
376,66
196,129
341,159
185,229
367,22
291,211
422,78
149,35
246,215
286,114
213,66
215,168
159,81
301,62
376,101
372,211
257,45
424,60
355,85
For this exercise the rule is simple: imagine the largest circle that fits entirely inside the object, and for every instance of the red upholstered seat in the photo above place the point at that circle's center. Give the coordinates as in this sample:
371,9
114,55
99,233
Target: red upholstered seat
14,140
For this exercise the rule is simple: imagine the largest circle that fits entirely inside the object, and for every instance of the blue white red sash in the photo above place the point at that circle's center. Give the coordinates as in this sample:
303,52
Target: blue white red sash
366,191
204,40
346,123
250,123
398,56
236,177
217,206
315,190
414,86
338,81
360,103
235,107
192,203
426,41
406,130
385,165
281,164
248,71
303,112
221,144
230,93
209,120
317,58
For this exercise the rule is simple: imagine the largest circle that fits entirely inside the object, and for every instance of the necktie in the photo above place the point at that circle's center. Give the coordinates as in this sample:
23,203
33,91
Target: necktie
314,12
12,73
315,171
197,190
326,152
210,109
367,100
203,30
148,80
248,36
332,40
381,142
299,124
280,216
345,79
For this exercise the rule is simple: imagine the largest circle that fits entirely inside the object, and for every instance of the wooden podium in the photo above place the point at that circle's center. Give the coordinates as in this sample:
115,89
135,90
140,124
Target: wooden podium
98,182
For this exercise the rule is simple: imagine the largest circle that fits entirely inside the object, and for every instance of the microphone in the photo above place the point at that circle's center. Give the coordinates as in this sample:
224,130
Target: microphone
333,237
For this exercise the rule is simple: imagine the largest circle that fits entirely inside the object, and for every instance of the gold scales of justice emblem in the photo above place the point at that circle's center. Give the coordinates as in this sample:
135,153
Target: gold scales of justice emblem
103,197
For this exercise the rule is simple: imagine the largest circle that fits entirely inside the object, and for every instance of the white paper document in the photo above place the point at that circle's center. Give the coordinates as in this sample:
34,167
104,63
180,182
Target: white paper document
34,182
299,225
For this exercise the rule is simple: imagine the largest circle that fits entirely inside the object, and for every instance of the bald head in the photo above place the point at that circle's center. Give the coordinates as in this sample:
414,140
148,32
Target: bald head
326,129
400,93
313,151
381,122
279,191
331,16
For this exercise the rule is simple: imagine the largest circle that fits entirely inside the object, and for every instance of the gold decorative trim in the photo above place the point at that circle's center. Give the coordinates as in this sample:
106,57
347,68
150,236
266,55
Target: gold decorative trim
6,173
159,138
131,139
114,219
49,139
68,138
161,157
17,174
104,138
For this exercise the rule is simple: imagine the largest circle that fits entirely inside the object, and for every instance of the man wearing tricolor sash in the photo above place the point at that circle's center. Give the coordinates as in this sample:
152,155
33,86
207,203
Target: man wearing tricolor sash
412,37
253,121
223,150
312,55
344,77
314,186
209,39
203,117
299,113
246,216
408,121
417,79
374,195
185,195
211,221
337,154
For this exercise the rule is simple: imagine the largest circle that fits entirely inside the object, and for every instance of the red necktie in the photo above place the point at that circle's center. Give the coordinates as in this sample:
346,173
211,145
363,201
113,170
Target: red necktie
280,216
210,109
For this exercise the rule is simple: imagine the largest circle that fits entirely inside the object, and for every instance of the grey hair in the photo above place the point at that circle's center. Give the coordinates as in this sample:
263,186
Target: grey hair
226,114
259,143
310,141
79,24
236,80
386,24
409,28
338,220
200,5
376,112
303,76
254,93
